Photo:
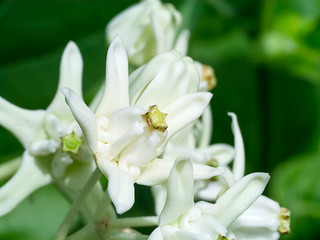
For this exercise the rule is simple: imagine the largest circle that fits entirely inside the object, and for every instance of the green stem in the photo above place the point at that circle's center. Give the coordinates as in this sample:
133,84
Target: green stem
75,207
87,232
105,209
134,222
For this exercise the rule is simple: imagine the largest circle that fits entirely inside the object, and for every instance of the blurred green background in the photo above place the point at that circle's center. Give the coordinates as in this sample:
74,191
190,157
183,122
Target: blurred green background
266,55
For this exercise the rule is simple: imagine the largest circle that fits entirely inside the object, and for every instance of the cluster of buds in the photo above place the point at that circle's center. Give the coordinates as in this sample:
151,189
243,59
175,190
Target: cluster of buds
149,127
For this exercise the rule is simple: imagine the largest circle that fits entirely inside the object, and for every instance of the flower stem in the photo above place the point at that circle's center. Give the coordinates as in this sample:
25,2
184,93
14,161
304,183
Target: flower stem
134,222
75,207
88,232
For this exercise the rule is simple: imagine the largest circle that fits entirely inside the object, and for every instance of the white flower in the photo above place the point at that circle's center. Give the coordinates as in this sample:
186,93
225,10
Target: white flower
181,218
53,142
264,220
147,29
127,139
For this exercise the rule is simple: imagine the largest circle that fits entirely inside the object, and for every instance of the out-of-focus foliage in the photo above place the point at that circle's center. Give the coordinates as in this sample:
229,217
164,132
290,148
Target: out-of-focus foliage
266,56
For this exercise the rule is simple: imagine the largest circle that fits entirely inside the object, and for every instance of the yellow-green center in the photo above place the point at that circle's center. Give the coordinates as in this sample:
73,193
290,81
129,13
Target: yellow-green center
284,219
71,143
155,119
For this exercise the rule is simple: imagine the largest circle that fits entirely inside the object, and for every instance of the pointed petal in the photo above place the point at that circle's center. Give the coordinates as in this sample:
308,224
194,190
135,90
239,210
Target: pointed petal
206,134
70,77
31,175
180,192
239,159
158,30
24,124
84,117
185,110
239,197
120,186
116,93
223,153
157,172
181,45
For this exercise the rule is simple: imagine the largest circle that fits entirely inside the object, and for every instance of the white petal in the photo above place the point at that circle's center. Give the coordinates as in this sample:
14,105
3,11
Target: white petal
156,172
84,117
180,192
183,77
206,128
120,186
239,159
185,110
32,174
116,93
223,153
181,45
198,222
156,234
140,78
70,77
44,147
239,197
25,125
201,171
259,221
159,193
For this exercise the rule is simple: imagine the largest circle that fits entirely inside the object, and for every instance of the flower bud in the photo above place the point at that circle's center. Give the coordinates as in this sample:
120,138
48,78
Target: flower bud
147,28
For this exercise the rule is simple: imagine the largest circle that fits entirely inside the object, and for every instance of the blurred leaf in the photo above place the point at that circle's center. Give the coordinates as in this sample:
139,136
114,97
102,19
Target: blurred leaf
291,37
296,185
36,218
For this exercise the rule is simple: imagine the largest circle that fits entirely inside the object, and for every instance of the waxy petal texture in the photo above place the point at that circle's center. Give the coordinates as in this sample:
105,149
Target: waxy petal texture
70,77
84,117
180,192
116,93
25,125
32,175
185,110
239,197
239,159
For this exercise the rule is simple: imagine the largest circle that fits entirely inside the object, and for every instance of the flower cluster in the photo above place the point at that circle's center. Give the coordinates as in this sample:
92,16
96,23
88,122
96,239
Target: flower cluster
151,127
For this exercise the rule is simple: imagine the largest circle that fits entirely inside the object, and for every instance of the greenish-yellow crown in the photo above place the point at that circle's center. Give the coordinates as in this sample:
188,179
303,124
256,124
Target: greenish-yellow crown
155,119
71,143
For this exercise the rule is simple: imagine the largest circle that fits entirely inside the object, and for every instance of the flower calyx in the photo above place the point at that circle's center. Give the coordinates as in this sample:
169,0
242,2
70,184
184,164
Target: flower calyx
71,143
155,119
284,219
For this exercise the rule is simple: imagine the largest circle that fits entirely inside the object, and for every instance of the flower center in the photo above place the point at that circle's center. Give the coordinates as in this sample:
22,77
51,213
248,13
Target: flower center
284,219
155,119
71,143
209,76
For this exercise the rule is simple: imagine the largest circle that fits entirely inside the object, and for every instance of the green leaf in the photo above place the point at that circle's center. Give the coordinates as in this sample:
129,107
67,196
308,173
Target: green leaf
36,218
296,185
